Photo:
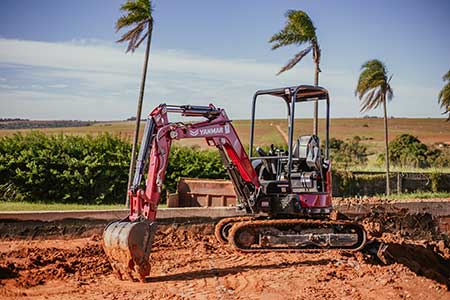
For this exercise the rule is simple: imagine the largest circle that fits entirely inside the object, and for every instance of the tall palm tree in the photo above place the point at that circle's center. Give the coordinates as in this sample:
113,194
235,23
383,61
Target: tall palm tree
444,95
138,18
373,90
299,30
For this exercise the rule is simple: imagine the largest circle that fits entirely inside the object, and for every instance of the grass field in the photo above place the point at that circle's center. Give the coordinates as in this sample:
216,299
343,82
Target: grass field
28,206
430,131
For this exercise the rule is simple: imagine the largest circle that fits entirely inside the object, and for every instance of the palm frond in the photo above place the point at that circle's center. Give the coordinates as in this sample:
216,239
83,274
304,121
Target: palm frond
389,93
298,30
295,60
138,14
130,20
137,6
373,85
371,100
298,21
137,44
444,95
132,36
446,76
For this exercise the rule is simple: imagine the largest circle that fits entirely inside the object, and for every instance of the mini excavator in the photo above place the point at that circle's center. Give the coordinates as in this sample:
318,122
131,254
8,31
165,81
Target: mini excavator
286,193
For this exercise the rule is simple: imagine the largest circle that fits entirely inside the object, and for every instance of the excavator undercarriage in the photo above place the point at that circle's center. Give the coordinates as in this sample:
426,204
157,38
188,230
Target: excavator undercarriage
286,193
295,235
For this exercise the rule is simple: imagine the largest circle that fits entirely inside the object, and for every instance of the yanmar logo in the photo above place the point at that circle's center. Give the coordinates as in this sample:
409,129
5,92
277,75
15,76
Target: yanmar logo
206,131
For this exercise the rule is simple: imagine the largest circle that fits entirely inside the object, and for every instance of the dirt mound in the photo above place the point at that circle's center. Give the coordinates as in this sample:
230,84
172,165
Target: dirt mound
187,263
182,236
421,260
400,223
412,240
34,266
66,229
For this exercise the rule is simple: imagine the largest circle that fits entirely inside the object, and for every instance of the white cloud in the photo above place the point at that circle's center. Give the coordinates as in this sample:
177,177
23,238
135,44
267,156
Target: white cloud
57,86
103,58
106,79
8,86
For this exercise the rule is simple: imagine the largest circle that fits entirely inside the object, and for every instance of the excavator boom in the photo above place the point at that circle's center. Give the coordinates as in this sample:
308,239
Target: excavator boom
128,242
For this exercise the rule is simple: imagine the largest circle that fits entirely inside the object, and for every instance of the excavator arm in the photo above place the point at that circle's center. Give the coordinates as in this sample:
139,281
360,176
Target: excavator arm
128,242
217,130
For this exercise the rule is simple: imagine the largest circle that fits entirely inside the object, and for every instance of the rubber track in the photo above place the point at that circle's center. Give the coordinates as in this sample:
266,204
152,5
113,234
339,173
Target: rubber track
293,222
225,221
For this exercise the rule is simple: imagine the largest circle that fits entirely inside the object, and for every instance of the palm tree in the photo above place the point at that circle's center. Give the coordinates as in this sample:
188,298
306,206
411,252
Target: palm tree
138,17
299,30
373,90
444,95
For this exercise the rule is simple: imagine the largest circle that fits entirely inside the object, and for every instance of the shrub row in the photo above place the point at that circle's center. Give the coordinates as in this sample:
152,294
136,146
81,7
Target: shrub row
94,170
372,183
84,169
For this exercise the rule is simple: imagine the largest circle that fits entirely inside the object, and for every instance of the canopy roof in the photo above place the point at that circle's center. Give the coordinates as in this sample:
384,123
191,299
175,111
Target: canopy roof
304,93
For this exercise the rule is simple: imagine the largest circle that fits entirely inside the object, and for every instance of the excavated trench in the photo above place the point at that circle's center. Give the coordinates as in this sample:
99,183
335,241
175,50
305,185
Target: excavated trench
406,258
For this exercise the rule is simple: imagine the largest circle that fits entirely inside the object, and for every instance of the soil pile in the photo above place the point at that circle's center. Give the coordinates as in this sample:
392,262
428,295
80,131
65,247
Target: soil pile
188,263
35,266
409,239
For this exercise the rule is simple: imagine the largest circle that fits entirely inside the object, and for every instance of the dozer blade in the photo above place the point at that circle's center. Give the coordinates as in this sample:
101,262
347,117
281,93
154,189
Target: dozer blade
128,245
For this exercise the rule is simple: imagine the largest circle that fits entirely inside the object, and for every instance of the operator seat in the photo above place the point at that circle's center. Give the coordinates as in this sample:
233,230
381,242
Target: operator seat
307,149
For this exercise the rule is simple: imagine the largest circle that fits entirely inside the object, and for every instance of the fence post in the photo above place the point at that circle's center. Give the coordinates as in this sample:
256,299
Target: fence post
399,183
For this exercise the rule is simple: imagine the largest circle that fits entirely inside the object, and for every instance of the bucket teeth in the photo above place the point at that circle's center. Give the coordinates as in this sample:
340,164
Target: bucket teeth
128,245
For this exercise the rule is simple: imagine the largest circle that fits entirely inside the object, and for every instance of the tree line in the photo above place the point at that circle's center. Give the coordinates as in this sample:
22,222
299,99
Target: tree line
93,170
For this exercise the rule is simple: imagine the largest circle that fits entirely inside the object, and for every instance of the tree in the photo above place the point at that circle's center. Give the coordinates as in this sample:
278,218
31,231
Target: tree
348,153
444,95
138,16
407,150
299,30
373,90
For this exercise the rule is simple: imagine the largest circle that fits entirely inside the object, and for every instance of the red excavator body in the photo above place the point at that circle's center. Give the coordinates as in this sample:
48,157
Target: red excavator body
286,192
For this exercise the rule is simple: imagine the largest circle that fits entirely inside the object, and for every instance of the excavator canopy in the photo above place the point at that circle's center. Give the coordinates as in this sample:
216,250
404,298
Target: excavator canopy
301,92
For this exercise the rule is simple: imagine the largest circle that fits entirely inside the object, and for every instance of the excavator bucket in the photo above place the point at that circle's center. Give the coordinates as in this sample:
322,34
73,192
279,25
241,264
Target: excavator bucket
128,245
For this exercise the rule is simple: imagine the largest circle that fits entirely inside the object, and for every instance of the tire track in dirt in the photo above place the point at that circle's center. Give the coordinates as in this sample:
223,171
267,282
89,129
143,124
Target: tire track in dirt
187,263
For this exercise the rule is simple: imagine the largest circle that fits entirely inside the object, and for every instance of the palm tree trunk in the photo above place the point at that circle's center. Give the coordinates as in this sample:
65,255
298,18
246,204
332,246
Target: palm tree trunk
138,115
316,102
386,140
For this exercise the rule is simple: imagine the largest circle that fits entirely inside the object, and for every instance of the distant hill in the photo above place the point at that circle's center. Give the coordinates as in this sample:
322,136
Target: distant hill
11,124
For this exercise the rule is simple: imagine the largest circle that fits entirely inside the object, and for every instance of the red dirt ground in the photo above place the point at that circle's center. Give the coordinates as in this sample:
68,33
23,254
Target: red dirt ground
187,263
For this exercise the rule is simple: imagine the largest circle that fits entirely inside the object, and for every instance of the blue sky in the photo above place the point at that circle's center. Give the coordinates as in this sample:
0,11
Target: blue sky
58,59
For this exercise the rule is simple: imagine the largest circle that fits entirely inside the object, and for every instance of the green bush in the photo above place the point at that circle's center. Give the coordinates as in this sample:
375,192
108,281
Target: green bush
408,151
343,154
88,170
64,168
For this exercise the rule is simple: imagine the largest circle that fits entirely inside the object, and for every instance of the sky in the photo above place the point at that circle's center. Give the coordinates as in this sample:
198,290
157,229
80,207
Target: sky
59,59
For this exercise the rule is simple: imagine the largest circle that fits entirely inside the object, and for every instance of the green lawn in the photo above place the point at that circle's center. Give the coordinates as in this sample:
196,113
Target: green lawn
417,195
370,168
28,206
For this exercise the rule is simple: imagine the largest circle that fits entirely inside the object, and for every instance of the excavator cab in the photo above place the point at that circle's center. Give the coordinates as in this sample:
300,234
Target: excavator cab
302,170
